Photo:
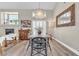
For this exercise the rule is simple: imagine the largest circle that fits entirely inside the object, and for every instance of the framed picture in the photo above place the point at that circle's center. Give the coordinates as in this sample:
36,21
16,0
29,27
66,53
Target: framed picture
25,23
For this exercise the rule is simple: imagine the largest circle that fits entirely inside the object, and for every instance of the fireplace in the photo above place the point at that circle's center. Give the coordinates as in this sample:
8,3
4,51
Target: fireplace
9,31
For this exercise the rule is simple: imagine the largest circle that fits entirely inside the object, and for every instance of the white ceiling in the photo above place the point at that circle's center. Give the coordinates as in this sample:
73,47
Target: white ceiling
27,5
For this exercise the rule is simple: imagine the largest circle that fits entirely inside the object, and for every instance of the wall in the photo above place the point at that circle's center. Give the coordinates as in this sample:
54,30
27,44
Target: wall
23,15
68,35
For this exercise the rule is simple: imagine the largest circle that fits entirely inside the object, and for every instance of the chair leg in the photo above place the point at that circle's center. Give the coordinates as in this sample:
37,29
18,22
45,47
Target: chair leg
31,49
39,51
45,50
28,46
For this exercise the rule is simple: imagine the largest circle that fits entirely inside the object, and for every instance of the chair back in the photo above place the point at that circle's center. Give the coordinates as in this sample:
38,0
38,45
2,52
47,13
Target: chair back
38,40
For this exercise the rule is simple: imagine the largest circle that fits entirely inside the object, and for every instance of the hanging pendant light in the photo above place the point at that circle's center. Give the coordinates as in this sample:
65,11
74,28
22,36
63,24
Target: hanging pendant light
39,13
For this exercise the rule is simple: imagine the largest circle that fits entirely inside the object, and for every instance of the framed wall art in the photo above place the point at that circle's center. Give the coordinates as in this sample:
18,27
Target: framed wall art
25,23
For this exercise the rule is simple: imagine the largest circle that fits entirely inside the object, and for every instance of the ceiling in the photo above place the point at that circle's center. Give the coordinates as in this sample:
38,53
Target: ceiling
27,5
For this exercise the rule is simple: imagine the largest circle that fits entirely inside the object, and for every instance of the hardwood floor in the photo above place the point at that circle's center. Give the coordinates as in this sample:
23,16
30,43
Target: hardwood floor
17,50
59,50
21,50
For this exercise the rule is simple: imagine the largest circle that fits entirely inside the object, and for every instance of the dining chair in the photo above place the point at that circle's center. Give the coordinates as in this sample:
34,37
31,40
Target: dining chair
38,46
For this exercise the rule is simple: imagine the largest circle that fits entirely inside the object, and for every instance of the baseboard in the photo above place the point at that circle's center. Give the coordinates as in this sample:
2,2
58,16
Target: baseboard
65,45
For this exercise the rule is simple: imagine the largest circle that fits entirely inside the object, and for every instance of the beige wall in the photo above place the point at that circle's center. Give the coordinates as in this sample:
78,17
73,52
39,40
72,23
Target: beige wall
68,35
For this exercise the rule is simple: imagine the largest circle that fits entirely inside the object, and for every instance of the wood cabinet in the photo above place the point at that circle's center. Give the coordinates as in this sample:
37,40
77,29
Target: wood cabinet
23,34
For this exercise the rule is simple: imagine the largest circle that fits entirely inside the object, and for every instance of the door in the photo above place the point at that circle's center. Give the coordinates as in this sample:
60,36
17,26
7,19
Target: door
39,24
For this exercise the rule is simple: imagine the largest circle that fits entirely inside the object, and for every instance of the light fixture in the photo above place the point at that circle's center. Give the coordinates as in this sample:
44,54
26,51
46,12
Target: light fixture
39,13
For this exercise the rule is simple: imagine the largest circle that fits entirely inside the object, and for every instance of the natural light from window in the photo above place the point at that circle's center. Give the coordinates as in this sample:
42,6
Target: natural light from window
39,25
9,18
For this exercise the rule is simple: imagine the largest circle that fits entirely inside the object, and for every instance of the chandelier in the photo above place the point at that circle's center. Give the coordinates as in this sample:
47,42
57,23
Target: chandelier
39,13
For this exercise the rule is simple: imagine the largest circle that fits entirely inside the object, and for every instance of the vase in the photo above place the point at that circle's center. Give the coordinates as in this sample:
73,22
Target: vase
39,32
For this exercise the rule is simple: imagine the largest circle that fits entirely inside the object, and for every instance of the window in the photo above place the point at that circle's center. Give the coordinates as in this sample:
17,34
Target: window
37,25
10,18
